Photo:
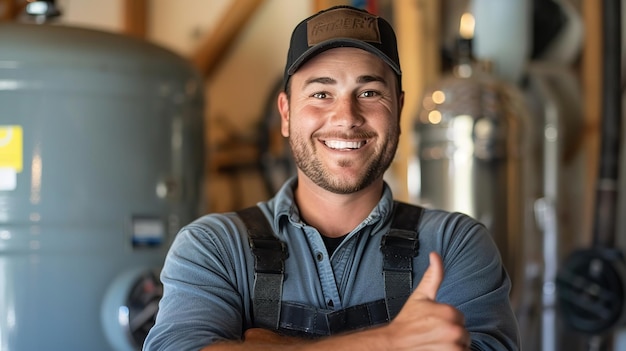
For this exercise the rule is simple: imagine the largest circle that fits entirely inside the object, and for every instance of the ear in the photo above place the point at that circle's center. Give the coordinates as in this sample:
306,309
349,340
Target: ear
400,107
400,104
283,109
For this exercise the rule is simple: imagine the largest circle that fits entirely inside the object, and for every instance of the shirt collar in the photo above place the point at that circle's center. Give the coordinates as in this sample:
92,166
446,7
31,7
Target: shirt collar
284,207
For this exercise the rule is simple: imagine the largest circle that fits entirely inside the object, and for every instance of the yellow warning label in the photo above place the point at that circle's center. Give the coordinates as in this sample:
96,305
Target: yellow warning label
11,147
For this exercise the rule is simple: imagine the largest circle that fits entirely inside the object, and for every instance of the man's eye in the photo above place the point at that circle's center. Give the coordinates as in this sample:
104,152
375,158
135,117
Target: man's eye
369,93
319,95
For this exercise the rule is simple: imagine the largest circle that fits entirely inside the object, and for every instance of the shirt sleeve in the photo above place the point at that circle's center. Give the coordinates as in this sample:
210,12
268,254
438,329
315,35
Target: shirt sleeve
204,276
476,282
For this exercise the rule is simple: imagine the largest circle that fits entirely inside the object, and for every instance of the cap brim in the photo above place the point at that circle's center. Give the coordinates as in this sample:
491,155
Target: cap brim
337,43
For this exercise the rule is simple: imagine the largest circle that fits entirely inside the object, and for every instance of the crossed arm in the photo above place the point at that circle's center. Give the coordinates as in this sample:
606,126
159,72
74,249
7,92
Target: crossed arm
422,324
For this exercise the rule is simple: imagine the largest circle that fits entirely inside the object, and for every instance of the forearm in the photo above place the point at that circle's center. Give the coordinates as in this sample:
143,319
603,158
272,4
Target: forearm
422,323
260,339
365,340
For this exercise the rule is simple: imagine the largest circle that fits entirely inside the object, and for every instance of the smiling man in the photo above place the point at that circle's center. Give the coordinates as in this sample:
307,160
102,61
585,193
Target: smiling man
332,261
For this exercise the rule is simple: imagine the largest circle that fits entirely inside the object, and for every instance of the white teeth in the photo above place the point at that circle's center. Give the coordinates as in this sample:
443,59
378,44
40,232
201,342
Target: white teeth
336,144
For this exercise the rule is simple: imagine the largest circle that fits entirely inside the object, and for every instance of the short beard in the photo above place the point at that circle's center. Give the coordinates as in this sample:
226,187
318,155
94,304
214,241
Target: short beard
306,161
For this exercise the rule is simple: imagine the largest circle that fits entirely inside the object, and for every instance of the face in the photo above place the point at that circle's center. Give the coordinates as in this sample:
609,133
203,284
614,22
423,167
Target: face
342,119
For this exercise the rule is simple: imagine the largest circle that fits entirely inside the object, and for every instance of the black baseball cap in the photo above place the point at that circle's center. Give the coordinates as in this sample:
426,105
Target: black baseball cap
342,26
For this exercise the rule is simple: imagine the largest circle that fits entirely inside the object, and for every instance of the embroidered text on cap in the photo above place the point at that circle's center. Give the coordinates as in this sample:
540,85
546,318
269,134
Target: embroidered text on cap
343,23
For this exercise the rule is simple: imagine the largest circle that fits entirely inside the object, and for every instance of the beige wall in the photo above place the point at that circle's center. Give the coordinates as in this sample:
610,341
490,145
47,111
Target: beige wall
102,15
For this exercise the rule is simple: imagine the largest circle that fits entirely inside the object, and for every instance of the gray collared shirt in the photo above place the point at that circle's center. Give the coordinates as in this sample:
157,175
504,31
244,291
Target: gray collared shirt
208,274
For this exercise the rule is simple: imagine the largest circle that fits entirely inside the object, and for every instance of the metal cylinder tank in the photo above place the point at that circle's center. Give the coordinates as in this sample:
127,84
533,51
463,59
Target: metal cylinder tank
470,133
101,162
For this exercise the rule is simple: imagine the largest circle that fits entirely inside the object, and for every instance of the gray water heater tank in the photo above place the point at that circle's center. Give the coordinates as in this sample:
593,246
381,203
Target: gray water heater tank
101,161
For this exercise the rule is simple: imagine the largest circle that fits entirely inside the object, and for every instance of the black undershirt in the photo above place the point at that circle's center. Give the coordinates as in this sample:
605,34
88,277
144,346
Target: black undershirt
332,243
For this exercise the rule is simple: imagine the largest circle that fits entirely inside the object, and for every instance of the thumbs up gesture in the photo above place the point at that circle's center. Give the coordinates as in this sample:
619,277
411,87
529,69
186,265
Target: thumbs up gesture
425,324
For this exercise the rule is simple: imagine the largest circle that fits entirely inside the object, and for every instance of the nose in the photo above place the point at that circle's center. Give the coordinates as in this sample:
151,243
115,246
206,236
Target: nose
346,113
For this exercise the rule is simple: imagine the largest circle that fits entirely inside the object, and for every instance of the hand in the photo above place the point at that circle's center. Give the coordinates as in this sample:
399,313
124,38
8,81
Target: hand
425,324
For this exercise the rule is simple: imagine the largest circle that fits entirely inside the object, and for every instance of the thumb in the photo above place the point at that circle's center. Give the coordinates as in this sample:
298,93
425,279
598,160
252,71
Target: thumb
432,278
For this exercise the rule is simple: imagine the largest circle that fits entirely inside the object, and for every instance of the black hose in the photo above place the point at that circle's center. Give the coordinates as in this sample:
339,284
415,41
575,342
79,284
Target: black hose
604,230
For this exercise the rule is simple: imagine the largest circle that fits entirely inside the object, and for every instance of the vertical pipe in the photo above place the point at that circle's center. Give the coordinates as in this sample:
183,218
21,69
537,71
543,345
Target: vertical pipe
546,213
608,175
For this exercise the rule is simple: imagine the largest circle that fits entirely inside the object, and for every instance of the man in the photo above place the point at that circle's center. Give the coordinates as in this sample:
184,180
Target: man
341,112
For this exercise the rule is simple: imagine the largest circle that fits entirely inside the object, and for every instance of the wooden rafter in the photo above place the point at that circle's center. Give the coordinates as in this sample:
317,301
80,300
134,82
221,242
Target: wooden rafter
10,9
319,5
135,18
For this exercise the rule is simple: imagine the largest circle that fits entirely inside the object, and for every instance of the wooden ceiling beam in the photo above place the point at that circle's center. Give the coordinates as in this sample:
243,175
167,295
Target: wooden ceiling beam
319,5
215,46
135,18
11,9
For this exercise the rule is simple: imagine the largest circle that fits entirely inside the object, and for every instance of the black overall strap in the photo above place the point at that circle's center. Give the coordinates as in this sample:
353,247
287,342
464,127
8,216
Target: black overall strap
399,247
270,254
309,322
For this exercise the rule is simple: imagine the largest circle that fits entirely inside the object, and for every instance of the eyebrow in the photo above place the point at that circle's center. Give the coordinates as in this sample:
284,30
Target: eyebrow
369,78
320,80
360,80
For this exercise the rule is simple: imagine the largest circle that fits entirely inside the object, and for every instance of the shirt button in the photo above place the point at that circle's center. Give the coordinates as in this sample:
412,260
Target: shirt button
319,256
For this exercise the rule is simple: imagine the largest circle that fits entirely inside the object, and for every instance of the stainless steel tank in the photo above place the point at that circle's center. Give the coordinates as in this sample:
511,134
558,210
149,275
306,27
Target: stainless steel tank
471,135
101,161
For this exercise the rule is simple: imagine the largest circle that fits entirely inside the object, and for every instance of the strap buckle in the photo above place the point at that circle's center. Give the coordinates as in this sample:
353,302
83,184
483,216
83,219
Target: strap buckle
399,247
270,254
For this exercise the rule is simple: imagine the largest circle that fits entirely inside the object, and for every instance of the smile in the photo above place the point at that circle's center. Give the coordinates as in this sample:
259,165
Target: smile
344,145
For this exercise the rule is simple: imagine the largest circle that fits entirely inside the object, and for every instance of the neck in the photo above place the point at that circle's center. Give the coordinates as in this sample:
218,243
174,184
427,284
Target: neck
334,215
